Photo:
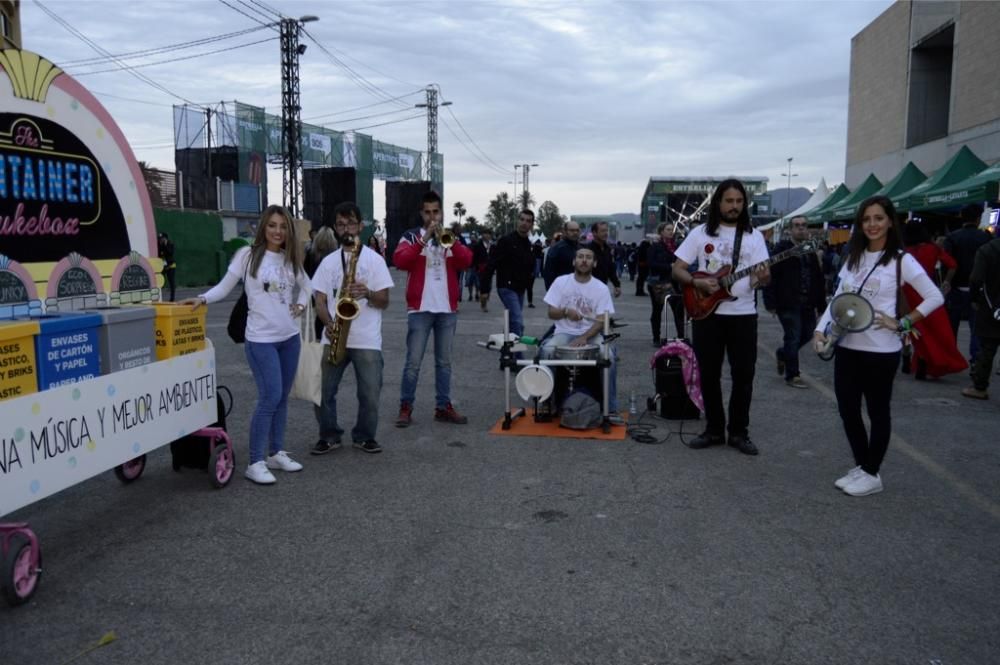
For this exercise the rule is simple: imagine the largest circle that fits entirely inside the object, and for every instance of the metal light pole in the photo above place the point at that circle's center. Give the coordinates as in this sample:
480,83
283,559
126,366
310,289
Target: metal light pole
432,124
788,192
524,176
291,110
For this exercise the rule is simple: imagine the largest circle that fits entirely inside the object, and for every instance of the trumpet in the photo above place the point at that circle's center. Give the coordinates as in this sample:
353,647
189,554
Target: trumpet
445,238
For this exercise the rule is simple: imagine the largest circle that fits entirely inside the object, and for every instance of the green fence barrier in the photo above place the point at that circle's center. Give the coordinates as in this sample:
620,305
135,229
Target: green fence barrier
197,238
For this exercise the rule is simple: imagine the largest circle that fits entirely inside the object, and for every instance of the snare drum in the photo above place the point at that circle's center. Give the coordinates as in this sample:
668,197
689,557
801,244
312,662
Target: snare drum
585,352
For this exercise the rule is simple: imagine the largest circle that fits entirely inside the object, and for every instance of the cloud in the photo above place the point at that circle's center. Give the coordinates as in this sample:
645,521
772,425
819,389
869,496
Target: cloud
601,94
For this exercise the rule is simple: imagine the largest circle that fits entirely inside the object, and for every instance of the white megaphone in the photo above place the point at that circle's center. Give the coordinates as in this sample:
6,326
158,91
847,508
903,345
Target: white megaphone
851,313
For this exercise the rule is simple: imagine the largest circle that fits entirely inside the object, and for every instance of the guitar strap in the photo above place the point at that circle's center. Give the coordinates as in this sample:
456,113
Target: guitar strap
736,249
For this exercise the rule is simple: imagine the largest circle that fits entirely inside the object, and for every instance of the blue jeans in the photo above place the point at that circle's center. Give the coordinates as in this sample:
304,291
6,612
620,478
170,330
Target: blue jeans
798,325
959,305
418,329
548,351
368,373
273,365
513,302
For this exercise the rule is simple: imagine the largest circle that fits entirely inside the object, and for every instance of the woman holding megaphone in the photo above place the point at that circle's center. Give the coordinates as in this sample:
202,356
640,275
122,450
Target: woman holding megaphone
866,362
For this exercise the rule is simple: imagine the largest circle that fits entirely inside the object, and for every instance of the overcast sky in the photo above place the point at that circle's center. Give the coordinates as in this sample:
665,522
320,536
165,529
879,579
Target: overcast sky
601,95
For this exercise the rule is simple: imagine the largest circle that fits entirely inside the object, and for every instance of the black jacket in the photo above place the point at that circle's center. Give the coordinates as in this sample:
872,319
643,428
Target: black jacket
963,245
986,277
513,261
784,291
661,261
604,264
559,261
481,255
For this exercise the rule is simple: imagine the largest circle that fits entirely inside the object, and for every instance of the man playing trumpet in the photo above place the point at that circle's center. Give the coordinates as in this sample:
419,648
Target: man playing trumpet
366,295
432,261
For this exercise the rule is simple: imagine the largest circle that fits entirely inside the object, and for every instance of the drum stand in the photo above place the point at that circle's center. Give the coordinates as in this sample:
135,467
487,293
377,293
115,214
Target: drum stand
508,361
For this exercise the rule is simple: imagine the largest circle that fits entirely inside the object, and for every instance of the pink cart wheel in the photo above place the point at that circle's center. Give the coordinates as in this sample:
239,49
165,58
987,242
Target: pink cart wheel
131,470
221,463
20,578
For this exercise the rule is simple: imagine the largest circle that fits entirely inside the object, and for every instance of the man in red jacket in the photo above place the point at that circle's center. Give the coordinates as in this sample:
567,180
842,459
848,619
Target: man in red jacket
432,295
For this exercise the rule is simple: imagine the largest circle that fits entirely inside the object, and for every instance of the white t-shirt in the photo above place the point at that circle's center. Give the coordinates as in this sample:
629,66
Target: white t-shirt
270,295
712,253
366,330
435,294
590,298
880,290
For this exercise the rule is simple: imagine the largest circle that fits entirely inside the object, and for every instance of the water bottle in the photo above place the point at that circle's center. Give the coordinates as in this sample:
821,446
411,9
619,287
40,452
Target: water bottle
632,408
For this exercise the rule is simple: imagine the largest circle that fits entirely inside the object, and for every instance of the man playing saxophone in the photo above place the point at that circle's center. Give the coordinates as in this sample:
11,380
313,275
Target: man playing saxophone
352,288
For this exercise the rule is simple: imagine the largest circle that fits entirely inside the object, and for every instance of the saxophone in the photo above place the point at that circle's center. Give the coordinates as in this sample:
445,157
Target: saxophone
347,308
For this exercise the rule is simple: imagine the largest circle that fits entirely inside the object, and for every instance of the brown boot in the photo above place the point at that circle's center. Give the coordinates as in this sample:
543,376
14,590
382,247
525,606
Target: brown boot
449,415
405,416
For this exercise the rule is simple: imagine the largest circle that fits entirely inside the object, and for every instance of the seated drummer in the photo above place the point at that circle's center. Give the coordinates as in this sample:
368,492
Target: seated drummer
577,303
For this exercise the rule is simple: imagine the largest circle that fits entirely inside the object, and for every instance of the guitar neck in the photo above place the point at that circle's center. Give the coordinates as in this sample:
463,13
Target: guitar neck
734,277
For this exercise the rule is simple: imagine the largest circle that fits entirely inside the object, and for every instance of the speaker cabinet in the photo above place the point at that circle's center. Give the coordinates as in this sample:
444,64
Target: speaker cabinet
674,401
402,210
324,189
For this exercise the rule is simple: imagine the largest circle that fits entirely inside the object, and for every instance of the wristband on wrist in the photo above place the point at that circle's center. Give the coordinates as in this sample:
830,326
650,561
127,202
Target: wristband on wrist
905,325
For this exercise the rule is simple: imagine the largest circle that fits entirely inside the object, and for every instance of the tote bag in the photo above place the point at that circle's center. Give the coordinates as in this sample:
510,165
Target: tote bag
308,385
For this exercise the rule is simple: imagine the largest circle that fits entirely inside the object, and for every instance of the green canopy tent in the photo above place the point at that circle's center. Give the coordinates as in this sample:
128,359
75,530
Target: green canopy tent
838,195
849,203
904,181
984,186
964,164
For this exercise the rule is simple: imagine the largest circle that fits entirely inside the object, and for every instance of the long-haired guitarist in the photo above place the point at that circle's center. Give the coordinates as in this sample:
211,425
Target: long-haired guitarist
719,247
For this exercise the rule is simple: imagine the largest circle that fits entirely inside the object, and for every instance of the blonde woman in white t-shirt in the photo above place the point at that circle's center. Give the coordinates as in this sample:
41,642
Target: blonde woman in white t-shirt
271,270
865,363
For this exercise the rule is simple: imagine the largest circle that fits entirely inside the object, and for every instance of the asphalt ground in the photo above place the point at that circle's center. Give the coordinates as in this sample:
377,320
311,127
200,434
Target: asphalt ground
455,546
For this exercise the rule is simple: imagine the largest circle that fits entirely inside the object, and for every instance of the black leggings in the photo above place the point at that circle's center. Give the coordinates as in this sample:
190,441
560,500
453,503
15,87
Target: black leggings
867,374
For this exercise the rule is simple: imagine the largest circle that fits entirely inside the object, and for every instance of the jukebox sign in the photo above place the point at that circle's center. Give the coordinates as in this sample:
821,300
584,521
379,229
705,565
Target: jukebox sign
75,216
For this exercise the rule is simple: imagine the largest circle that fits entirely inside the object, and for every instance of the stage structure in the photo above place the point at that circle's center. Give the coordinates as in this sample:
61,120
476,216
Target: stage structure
684,200
233,139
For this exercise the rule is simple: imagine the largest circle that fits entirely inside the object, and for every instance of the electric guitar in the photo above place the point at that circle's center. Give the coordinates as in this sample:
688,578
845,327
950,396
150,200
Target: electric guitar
699,305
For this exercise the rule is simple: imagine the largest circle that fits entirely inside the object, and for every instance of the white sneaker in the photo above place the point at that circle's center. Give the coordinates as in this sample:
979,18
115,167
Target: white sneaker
258,473
864,485
848,478
281,460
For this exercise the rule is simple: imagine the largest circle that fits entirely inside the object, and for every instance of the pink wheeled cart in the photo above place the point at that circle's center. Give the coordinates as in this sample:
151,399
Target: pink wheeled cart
20,562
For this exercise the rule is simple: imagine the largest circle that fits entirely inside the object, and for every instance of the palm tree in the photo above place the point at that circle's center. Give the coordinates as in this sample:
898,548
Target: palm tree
501,212
472,225
459,210
525,200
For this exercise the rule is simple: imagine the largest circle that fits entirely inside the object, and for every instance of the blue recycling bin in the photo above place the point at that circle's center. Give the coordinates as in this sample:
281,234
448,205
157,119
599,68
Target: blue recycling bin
68,348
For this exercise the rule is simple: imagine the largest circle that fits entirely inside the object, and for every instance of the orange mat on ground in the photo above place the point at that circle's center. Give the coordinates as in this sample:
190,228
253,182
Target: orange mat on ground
526,426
